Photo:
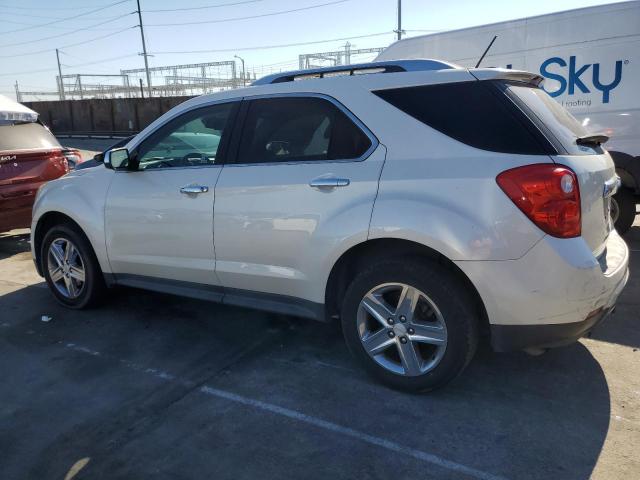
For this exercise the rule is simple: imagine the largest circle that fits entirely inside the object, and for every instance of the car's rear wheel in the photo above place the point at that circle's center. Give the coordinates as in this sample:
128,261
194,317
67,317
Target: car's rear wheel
70,267
410,323
623,210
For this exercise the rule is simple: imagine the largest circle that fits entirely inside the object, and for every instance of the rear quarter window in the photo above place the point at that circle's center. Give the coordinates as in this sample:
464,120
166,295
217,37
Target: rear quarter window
551,116
475,113
26,136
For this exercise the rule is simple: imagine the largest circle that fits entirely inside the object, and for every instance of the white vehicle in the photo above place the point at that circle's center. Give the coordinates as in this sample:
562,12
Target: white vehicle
420,203
590,60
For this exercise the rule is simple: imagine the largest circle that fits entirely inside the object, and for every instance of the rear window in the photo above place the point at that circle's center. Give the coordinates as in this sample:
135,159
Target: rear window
552,116
475,113
26,136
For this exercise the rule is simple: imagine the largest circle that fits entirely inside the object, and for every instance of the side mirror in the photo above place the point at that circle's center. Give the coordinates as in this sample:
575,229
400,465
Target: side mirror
116,159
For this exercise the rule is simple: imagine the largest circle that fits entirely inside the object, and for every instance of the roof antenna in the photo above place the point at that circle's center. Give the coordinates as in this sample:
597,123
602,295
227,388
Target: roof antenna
485,52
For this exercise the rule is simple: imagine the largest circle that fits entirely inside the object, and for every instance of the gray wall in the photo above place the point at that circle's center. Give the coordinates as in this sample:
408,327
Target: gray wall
102,116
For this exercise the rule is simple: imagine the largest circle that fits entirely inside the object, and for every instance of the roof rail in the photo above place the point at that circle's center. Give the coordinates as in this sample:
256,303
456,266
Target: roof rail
357,69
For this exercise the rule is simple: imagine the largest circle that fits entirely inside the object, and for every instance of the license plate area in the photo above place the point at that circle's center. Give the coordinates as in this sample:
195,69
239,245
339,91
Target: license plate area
610,188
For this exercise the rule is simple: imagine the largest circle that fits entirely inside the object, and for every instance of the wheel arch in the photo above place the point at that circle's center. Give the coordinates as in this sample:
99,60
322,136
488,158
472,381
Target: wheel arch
628,169
347,266
45,222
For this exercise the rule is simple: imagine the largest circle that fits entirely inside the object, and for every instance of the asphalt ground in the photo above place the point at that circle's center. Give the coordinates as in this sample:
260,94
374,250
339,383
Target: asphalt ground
155,386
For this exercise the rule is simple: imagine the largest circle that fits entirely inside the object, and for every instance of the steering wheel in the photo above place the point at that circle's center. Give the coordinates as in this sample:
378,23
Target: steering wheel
195,156
157,162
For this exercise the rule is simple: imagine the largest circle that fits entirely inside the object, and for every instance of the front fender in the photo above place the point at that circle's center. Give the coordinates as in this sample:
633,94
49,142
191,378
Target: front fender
81,197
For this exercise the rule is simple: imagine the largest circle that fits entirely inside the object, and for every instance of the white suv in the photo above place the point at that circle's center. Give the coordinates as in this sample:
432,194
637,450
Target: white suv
422,204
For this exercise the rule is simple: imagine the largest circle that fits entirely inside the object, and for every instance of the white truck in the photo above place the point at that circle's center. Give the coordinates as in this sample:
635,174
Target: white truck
590,59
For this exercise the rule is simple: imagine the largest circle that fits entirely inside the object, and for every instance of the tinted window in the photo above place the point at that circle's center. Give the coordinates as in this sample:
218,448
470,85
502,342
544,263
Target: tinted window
553,116
23,136
475,113
192,139
299,129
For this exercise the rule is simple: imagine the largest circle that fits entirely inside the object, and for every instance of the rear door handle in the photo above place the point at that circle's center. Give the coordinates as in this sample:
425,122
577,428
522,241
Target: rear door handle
194,189
327,182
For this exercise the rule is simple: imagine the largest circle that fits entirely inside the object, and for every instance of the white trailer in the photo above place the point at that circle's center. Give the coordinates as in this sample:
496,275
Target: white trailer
590,59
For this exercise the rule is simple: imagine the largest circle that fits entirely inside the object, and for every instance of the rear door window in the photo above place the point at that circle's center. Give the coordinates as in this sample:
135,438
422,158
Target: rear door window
26,136
475,113
287,129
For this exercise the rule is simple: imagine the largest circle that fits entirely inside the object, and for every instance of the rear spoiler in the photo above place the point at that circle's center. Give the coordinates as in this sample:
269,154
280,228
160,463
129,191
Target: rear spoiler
506,74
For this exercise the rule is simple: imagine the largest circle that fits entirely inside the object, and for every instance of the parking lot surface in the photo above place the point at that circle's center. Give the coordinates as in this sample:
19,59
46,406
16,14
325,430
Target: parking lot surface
154,386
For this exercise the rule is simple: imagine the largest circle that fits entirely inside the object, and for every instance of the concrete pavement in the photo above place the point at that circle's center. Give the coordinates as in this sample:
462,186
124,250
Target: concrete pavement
156,386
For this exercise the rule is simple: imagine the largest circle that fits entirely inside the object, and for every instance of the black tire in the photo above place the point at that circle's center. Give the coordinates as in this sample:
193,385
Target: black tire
93,288
450,296
626,201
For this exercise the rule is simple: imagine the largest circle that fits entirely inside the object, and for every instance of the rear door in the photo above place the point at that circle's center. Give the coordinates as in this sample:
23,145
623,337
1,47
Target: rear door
304,180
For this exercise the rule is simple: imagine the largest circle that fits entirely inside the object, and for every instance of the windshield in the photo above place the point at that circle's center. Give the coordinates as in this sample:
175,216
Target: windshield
26,136
554,116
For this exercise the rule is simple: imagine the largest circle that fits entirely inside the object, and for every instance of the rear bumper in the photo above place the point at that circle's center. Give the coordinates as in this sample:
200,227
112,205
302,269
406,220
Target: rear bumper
551,296
19,217
508,338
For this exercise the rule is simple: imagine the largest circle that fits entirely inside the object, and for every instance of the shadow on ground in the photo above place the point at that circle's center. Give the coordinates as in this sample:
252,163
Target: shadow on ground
13,243
623,327
121,385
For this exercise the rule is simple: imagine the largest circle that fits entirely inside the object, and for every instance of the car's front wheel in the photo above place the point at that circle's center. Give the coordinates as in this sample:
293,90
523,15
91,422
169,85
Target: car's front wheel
411,323
71,268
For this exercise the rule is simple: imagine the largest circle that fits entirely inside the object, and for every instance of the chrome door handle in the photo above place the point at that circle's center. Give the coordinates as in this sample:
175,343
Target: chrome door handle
324,182
195,189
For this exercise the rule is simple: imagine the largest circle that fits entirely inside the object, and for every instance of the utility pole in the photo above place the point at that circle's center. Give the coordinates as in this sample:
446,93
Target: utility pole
144,50
17,92
61,84
244,72
399,30
347,53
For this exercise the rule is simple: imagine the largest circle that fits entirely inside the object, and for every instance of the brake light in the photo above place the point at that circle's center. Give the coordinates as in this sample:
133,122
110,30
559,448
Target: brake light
548,194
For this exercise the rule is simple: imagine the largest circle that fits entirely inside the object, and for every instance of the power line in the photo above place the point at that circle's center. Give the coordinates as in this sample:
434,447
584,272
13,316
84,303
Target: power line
282,45
66,18
234,19
59,27
202,7
83,42
14,7
61,34
103,60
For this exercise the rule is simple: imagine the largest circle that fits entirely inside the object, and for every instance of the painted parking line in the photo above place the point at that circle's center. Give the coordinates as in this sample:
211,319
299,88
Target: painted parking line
304,418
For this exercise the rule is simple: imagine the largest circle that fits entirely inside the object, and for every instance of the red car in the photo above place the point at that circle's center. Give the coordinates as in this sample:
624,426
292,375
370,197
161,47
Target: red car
29,156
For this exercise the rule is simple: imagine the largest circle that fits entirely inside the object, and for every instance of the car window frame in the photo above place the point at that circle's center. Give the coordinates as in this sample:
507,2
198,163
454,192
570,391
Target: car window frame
223,146
234,149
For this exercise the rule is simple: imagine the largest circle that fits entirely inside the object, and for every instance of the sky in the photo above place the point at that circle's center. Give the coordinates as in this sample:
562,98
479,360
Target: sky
102,36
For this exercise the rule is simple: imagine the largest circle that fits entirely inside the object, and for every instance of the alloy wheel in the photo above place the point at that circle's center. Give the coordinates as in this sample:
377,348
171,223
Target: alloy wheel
402,329
66,268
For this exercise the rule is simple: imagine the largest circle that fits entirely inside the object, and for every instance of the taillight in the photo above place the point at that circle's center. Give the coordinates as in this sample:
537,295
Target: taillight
546,193
73,157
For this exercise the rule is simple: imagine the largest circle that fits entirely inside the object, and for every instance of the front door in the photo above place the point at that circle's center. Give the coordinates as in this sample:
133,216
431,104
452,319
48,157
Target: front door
159,213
